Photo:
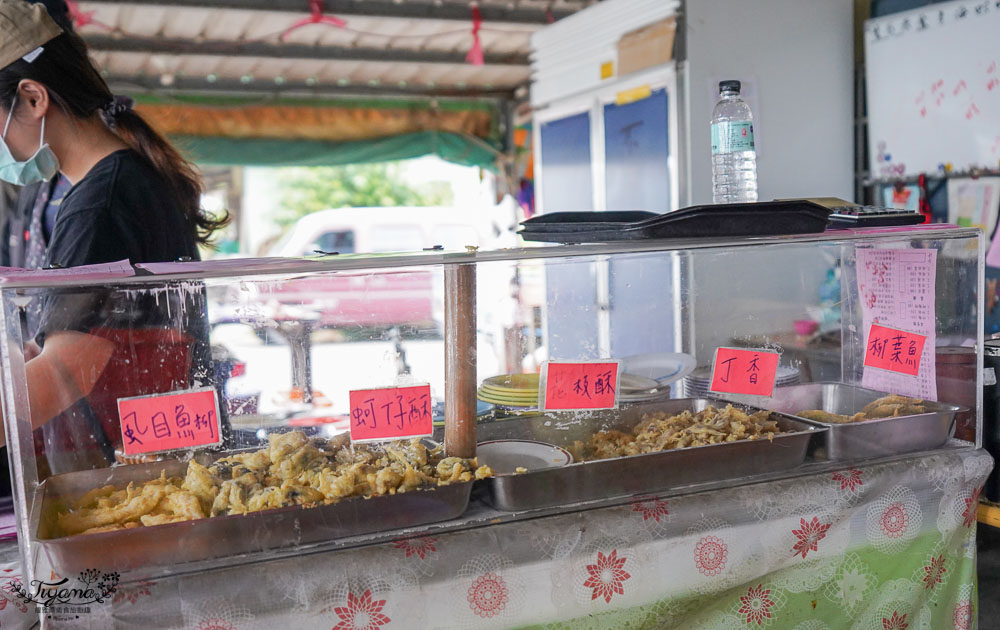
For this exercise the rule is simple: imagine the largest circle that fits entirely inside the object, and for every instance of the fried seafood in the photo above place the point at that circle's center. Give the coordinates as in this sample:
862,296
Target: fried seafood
819,415
891,406
660,431
292,470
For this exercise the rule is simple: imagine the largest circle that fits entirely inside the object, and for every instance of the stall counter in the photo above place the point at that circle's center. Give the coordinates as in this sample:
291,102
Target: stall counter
882,546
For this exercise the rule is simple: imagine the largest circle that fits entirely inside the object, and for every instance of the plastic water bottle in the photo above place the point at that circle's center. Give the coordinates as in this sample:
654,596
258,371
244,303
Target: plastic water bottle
734,160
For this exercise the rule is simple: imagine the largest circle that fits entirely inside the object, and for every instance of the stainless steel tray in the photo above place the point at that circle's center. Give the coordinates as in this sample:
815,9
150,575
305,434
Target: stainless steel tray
637,474
871,438
191,541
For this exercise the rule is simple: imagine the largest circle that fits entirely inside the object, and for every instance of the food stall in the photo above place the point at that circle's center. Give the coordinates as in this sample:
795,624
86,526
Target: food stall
603,492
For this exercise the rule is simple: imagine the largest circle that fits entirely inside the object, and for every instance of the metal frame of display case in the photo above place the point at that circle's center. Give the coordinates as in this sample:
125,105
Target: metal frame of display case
459,432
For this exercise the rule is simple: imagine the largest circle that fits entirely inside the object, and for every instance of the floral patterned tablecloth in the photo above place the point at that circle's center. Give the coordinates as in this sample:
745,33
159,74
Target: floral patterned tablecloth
883,547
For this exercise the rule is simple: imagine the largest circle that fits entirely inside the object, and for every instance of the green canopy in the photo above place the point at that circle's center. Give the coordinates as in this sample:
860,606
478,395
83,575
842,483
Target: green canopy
453,147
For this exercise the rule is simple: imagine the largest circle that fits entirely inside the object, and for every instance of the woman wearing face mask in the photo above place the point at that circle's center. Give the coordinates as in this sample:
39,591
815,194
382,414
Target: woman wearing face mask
31,215
132,197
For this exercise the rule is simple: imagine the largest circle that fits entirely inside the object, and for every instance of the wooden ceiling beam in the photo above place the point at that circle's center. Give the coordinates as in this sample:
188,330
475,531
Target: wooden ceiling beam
512,13
225,48
129,84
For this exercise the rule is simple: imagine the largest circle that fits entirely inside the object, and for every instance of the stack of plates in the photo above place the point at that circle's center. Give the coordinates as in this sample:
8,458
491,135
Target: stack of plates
697,383
484,412
510,391
519,392
663,368
634,388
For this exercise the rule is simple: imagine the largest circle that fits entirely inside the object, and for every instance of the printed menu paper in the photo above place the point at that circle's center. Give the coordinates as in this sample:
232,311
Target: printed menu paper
896,289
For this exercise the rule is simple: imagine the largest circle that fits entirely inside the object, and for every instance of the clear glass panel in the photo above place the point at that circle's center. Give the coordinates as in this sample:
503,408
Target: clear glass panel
283,343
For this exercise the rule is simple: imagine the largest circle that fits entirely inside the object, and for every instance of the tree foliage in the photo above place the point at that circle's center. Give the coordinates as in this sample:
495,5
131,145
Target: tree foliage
304,190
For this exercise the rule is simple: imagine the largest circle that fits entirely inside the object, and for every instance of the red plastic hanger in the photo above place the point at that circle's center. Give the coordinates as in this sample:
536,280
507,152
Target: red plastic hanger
316,16
475,56
82,18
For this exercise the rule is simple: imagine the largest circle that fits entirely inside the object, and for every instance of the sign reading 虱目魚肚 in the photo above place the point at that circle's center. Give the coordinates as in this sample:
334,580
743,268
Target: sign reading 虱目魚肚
171,421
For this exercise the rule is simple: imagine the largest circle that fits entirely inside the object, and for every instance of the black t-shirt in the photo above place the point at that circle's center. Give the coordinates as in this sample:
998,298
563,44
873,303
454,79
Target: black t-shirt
122,209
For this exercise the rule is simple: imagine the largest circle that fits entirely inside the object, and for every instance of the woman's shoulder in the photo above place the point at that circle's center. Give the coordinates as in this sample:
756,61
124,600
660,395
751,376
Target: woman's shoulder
119,179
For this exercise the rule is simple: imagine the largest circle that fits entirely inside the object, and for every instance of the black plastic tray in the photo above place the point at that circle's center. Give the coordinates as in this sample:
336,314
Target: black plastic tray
737,219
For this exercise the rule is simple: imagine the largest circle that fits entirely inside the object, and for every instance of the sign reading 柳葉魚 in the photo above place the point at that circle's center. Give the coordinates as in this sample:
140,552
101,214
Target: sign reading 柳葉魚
894,350
171,421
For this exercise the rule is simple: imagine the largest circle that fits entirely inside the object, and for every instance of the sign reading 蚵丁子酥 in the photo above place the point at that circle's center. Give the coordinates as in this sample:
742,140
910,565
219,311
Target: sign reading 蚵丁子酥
391,413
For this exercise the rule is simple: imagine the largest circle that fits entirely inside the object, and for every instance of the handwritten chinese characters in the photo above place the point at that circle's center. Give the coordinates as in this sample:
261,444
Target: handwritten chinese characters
894,350
941,107
391,413
742,371
580,385
929,18
896,290
171,421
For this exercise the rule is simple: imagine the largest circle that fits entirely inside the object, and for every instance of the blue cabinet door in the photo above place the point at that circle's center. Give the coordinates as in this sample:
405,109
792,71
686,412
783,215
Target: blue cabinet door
636,147
637,150
567,183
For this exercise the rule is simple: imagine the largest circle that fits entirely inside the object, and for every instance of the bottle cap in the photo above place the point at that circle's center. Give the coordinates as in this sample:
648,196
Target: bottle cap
731,84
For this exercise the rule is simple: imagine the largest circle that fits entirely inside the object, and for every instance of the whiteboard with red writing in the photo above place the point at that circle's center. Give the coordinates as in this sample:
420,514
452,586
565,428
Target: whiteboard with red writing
933,88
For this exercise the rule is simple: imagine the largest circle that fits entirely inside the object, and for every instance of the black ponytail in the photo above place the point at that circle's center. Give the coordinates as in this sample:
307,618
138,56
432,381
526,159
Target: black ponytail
74,84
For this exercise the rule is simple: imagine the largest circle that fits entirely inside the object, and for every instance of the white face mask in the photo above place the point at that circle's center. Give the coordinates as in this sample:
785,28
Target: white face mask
40,167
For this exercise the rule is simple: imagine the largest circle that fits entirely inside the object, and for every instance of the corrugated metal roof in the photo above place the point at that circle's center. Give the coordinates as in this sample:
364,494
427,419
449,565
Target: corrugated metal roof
232,45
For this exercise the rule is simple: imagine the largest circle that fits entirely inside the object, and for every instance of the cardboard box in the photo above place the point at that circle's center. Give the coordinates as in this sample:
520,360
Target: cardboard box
651,45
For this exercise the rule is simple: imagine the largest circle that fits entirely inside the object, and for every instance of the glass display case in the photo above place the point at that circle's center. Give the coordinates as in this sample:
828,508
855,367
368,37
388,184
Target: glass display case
183,416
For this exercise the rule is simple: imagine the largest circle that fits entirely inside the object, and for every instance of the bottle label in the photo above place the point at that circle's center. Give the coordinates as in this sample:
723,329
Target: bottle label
732,137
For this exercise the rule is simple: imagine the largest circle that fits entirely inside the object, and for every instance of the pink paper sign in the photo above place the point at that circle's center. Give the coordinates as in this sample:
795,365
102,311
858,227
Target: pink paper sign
166,422
391,413
741,371
580,385
894,350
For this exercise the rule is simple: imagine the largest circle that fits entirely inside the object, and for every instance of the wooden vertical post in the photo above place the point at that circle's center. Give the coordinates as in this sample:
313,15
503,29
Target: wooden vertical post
460,379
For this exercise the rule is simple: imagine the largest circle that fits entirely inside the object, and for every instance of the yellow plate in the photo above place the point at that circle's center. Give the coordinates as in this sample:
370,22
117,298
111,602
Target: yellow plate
531,399
508,399
514,383
502,394
508,403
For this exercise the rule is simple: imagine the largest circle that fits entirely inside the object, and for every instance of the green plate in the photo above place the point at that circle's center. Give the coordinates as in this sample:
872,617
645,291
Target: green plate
513,383
492,393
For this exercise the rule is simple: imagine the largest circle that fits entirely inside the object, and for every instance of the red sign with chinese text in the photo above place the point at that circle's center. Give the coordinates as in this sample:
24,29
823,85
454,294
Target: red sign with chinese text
894,350
742,371
391,413
580,385
166,422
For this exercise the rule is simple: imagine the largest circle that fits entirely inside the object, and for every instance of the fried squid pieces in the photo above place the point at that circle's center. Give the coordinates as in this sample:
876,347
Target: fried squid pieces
660,431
